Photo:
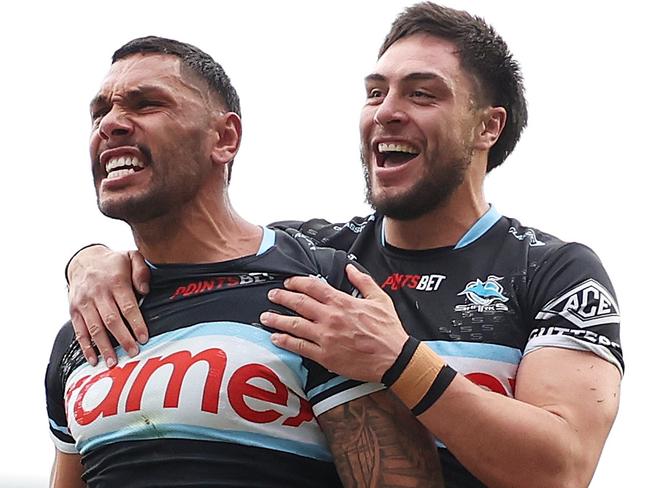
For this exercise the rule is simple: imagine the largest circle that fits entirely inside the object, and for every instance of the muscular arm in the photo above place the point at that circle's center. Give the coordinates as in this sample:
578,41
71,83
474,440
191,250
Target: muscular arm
377,442
551,434
67,471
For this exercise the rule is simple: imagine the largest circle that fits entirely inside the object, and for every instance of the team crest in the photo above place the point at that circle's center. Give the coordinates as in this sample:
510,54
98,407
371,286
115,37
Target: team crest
586,305
484,295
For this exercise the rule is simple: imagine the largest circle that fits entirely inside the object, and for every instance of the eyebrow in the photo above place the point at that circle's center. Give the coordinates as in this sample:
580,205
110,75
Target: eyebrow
415,76
133,94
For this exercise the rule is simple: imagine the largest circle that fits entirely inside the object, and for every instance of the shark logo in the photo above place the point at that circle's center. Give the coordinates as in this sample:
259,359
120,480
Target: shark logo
485,295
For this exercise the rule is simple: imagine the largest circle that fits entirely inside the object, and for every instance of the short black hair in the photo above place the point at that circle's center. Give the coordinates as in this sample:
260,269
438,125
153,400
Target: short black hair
483,53
192,57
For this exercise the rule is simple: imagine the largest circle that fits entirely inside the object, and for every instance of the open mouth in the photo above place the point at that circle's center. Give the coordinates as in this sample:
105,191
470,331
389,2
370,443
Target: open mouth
390,155
122,166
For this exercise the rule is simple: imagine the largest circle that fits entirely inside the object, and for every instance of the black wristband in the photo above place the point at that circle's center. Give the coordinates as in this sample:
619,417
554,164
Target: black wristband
442,381
67,266
394,372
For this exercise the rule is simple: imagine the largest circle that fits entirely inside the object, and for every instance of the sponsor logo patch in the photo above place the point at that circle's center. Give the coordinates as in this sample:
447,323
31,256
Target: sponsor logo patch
428,282
585,305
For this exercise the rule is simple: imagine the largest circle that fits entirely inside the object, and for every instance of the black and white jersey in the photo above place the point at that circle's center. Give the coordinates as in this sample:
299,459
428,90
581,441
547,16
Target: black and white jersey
503,291
209,401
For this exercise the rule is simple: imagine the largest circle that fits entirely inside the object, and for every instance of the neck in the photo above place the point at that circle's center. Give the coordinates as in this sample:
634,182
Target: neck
204,230
443,226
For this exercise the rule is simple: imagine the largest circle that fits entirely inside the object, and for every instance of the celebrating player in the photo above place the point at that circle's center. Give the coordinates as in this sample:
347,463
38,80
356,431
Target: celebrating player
209,401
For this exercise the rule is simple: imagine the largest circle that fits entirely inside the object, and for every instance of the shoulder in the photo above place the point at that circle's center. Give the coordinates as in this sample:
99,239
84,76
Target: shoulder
339,235
65,355
569,295
325,262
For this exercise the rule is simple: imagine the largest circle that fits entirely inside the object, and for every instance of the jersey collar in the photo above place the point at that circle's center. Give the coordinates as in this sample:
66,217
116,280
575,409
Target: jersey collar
480,227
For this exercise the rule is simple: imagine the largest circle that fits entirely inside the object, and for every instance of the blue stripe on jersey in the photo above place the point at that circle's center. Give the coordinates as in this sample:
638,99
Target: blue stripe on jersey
476,350
55,426
481,226
193,432
325,386
248,332
268,240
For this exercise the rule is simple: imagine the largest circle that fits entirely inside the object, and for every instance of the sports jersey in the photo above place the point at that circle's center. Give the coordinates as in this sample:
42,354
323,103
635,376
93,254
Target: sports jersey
209,401
503,291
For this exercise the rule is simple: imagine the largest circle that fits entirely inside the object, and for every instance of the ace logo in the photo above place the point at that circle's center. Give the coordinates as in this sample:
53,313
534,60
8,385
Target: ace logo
586,305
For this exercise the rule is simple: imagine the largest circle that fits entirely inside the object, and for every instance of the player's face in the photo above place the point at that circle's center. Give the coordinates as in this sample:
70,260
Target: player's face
150,141
417,127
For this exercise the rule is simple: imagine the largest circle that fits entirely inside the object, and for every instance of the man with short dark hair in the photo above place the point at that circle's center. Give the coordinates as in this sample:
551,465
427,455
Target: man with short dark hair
209,401
530,322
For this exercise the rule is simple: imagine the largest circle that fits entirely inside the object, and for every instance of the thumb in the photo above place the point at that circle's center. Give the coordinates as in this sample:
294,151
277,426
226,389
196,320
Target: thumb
139,272
363,282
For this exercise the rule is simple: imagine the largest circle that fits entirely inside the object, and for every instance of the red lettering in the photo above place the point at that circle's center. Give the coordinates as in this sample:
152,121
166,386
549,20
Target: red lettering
239,387
108,406
207,286
179,291
181,362
305,414
414,280
487,381
72,389
388,282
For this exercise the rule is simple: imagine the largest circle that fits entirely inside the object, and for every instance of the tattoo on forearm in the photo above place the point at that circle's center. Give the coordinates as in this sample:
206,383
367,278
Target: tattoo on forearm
377,442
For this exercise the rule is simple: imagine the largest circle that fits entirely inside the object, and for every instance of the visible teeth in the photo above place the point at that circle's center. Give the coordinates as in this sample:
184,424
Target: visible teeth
390,147
118,173
123,162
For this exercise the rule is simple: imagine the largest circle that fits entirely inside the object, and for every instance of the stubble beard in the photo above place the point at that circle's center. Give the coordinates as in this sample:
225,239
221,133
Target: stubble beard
428,193
162,196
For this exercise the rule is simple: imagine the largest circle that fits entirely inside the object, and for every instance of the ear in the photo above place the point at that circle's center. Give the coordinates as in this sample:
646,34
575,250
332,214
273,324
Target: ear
492,122
228,138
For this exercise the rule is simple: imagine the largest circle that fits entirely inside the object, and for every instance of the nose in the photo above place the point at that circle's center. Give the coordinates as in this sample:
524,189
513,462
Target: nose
390,111
115,124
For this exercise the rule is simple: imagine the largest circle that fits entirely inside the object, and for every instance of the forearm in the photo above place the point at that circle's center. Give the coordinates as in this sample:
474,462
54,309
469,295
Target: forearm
509,443
376,442
505,442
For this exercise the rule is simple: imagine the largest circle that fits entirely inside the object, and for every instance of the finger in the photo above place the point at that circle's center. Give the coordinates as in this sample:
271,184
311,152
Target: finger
139,272
316,288
112,321
299,346
363,282
291,324
98,334
82,336
298,302
127,303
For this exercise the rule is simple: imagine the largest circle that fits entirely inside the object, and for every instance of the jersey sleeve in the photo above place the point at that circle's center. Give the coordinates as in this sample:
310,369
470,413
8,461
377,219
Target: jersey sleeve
54,393
325,389
573,305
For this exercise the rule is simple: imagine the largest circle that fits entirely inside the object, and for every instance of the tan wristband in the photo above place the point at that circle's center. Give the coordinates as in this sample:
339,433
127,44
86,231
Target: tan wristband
418,376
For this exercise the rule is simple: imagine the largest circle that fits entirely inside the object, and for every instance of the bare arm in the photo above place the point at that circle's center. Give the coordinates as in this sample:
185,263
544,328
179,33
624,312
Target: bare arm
377,442
550,434
102,299
67,471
